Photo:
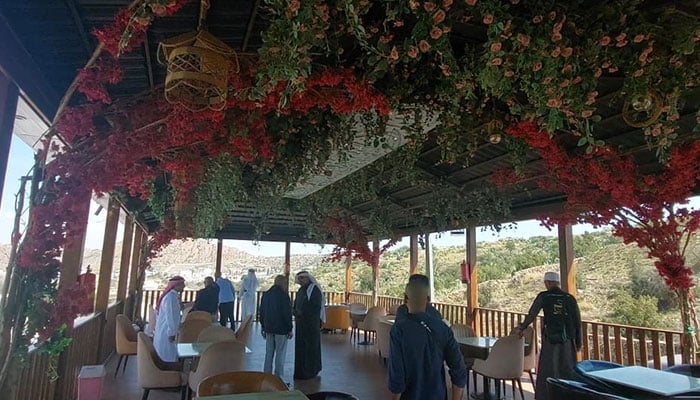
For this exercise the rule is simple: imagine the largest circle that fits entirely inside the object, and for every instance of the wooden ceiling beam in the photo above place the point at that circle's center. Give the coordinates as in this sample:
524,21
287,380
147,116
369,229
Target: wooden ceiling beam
73,8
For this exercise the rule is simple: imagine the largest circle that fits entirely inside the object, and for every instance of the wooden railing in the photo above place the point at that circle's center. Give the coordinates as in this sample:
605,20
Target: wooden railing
628,345
150,298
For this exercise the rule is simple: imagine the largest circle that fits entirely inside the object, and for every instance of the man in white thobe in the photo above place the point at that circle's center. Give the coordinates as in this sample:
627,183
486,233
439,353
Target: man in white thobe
248,294
168,320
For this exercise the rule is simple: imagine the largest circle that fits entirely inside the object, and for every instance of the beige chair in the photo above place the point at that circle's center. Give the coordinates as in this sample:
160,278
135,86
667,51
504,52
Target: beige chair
186,308
203,315
383,338
505,362
243,331
358,311
154,373
371,322
220,357
216,333
240,382
464,331
150,328
530,358
126,341
190,330
337,317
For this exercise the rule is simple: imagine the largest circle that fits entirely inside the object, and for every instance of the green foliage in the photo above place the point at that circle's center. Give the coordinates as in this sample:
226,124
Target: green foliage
645,281
635,310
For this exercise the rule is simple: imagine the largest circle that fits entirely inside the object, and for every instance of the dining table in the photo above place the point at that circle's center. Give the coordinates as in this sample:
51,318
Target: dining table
195,349
282,395
650,380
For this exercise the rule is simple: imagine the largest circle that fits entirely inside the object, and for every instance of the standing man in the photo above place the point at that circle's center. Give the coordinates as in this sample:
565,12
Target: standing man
227,298
561,333
168,320
249,288
420,346
308,310
276,324
207,298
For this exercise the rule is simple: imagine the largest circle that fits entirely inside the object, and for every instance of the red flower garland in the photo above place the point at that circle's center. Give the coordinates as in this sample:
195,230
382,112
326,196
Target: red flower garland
607,188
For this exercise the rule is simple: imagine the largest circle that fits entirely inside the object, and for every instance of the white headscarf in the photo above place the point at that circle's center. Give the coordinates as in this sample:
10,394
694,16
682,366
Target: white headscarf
309,289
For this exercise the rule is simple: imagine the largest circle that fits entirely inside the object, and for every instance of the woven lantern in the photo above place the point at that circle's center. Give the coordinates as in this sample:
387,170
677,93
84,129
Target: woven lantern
198,68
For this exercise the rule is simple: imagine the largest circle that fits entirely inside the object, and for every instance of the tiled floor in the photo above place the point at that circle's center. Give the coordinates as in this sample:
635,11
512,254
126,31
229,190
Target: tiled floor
347,368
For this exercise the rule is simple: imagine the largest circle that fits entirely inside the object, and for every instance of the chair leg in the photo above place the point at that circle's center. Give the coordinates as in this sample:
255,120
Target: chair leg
145,394
126,360
497,385
532,379
116,370
520,386
512,383
183,392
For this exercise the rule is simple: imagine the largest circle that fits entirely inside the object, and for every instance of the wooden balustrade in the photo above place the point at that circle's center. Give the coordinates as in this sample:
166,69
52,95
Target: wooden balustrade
34,381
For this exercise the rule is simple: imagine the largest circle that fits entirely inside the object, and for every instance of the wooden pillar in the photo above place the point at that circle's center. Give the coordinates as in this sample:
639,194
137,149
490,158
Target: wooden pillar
219,255
139,236
287,258
107,258
567,265
473,288
413,254
375,275
125,258
72,260
348,278
8,109
429,265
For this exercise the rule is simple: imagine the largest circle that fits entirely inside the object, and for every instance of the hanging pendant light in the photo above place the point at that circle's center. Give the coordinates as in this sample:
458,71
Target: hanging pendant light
199,65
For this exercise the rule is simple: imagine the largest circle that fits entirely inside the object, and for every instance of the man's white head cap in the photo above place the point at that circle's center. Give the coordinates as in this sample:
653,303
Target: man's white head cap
551,276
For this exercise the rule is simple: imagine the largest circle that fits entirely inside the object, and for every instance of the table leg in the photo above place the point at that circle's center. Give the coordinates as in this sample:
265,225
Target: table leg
366,342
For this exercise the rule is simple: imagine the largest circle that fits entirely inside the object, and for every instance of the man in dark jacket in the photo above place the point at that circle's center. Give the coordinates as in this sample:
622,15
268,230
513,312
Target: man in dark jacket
208,298
561,333
276,321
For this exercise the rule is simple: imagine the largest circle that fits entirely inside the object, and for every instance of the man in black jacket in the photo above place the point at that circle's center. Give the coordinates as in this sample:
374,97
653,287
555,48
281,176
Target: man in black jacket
208,298
276,321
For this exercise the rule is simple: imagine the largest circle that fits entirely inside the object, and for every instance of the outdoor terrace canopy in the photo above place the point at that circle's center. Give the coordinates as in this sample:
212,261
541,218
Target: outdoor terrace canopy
46,42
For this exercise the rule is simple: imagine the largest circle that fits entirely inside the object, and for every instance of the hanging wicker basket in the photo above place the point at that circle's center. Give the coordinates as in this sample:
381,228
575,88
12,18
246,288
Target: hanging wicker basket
198,68
642,110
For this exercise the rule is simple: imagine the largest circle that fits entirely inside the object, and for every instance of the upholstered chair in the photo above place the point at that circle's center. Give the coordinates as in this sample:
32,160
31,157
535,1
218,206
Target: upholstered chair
216,333
243,331
203,315
371,321
505,362
337,317
236,382
126,341
190,330
220,357
154,373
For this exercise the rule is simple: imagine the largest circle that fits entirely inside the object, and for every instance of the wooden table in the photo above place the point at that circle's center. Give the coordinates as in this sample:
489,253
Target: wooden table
190,350
293,395
649,380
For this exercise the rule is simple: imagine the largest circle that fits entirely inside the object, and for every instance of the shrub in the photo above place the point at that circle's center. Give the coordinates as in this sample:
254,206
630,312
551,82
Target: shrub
635,311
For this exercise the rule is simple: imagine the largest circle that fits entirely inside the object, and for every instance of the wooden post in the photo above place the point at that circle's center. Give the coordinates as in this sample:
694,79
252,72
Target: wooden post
429,265
375,275
107,258
139,236
413,254
287,258
473,287
125,258
348,278
219,255
8,108
567,265
72,260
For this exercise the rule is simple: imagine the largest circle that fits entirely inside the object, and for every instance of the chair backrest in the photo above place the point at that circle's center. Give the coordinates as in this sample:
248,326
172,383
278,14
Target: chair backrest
371,321
530,359
243,331
151,327
190,330
151,369
125,335
505,360
235,382
331,396
462,330
572,390
685,369
218,358
216,333
358,308
203,315
186,308
384,338
337,317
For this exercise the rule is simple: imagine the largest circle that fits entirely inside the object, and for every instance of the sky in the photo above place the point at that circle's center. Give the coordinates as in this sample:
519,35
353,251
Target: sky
21,160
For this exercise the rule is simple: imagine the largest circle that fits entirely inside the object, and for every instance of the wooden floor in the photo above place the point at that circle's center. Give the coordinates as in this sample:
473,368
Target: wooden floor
347,367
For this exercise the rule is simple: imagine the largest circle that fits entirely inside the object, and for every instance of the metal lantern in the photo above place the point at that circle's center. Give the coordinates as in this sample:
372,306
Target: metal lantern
198,68
642,109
